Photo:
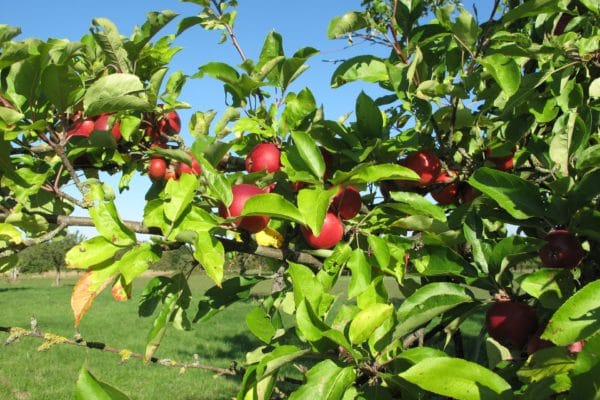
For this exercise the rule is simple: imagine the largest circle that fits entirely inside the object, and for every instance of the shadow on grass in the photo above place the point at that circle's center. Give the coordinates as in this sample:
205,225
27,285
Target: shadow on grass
233,347
14,289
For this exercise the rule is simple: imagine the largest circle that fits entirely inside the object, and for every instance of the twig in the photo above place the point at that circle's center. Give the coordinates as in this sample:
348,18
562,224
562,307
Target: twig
50,339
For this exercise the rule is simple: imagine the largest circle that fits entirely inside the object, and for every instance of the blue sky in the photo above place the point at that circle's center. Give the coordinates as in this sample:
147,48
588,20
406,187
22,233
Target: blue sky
301,23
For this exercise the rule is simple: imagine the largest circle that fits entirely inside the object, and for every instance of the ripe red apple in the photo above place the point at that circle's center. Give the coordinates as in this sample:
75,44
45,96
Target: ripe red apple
502,163
562,23
102,124
170,123
330,235
468,194
347,203
562,250
426,164
183,168
157,168
329,161
511,323
81,127
170,174
241,193
264,156
447,194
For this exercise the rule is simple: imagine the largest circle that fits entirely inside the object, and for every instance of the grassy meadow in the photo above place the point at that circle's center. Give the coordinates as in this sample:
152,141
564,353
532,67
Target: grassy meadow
26,373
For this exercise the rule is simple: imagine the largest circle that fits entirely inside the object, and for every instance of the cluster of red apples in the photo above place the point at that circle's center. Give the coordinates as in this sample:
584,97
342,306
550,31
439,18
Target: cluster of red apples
267,157
515,324
443,184
86,126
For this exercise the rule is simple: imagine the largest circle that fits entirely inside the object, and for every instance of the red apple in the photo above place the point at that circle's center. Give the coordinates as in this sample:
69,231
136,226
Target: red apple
537,343
241,193
511,323
562,23
264,156
426,164
170,123
468,194
330,235
576,347
170,174
502,163
347,203
183,168
562,250
80,127
101,124
157,168
447,194
328,159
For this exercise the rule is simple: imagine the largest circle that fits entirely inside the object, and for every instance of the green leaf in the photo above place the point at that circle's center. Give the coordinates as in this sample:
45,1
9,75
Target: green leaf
137,260
419,205
10,234
550,286
378,246
297,108
546,363
505,72
313,204
367,320
465,29
361,273
90,252
367,172
210,253
428,302
155,21
368,117
159,325
180,193
594,90
260,325
109,225
8,32
578,318
62,86
220,71
457,378
8,262
347,23
115,92
438,260
10,116
325,381
309,152
108,38
273,205
89,387
279,357
364,68
531,8
271,54
520,198
589,158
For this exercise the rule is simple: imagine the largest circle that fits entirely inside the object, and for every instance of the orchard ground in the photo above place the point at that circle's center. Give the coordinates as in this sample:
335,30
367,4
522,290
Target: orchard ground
26,373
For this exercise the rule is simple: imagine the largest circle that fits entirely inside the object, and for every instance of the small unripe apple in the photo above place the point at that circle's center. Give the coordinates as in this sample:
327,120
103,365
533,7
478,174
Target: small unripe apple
511,323
157,168
241,194
347,203
447,194
183,168
264,156
562,250
426,164
330,235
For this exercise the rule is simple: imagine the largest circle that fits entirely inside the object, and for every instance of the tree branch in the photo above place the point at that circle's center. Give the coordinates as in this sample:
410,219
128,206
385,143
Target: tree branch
50,339
228,244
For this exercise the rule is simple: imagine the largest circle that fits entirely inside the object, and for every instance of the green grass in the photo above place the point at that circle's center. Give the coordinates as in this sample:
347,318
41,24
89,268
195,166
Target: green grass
26,373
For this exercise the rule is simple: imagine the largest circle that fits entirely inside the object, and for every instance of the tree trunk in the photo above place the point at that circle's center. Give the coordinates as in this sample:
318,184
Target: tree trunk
57,278
14,274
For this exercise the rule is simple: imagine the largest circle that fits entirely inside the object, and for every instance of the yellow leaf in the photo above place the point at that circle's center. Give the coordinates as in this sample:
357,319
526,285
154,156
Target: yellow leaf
269,237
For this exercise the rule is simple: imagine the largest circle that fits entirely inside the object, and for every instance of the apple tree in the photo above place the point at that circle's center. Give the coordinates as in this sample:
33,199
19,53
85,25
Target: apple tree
470,186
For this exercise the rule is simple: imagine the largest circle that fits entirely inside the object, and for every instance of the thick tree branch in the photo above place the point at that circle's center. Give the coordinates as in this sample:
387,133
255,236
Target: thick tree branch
228,244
